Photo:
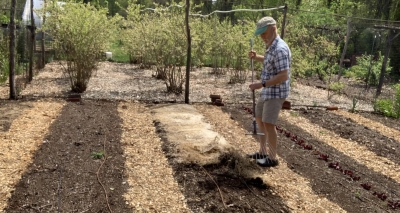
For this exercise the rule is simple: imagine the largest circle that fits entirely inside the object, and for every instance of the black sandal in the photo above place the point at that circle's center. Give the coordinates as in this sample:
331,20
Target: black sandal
256,156
267,162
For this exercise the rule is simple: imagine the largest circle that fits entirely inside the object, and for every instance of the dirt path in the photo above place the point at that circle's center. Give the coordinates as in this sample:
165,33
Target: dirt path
151,183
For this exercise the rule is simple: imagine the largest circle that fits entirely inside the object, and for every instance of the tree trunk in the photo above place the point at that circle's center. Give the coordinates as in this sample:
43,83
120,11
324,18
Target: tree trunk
189,51
384,63
284,21
12,50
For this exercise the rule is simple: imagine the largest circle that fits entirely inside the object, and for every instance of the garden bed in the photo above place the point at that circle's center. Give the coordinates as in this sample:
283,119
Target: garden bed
54,155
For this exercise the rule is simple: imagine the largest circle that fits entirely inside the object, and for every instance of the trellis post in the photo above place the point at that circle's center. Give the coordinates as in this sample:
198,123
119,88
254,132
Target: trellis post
189,51
284,21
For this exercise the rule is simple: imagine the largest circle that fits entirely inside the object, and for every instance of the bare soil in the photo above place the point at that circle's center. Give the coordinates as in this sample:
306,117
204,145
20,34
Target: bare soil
69,173
63,174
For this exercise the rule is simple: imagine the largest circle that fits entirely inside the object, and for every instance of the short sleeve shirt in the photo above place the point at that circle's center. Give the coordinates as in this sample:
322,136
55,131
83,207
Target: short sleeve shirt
277,58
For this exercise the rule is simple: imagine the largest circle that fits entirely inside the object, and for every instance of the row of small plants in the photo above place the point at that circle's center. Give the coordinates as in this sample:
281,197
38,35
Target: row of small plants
394,204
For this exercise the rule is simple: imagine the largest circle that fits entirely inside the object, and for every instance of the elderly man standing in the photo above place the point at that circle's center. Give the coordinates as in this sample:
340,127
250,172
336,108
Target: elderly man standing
275,85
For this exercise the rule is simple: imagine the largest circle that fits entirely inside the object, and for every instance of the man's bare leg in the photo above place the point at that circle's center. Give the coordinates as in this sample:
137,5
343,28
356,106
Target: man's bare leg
263,138
272,138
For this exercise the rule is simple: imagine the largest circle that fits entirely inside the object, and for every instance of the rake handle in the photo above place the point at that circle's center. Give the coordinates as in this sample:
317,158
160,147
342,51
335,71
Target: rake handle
254,94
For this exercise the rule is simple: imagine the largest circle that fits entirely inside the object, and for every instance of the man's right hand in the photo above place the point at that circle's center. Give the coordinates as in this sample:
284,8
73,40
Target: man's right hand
252,54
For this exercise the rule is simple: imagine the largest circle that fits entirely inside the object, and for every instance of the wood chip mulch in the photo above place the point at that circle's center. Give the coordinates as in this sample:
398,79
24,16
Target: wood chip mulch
151,181
292,187
384,130
359,153
18,145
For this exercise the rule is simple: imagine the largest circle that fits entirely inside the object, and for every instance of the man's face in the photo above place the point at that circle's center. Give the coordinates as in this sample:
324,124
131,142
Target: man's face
267,35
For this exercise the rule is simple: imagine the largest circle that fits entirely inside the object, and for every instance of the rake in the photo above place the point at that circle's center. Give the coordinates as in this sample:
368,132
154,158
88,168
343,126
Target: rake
254,96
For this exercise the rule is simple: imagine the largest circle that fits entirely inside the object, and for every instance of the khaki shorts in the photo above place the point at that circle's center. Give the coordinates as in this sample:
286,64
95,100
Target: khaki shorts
269,110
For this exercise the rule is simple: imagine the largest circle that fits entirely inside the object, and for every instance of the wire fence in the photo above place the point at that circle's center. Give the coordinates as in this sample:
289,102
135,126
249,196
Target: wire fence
338,51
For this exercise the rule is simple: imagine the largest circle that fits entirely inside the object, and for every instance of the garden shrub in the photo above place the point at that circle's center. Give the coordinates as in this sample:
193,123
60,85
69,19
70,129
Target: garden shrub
384,106
389,107
81,34
365,65
337,87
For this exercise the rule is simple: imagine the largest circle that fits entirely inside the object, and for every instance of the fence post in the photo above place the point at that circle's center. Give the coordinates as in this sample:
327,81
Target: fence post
31,48
284,21
344,48
12,50
189,51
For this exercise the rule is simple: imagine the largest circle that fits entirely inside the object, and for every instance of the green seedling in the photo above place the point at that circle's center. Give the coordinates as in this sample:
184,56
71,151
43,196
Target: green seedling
322,132
97,155
353,107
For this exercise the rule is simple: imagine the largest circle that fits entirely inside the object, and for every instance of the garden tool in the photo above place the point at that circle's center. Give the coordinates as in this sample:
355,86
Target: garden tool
254,96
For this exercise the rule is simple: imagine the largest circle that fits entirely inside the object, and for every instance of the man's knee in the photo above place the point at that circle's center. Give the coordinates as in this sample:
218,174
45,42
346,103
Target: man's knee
269,126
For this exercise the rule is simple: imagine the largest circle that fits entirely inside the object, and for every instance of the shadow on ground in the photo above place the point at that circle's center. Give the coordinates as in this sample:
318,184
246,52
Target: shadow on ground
62,177
327,182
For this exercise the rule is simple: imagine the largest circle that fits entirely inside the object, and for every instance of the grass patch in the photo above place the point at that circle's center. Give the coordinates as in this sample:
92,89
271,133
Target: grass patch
118,54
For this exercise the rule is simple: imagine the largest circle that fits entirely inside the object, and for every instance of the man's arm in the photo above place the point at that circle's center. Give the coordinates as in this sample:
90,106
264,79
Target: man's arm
279,78
259,58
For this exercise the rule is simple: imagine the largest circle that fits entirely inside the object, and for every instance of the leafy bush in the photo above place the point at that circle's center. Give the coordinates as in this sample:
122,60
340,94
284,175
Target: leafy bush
384,106
311,55
389,107
81,34
4,60
337,87
158,39
367,69
4,18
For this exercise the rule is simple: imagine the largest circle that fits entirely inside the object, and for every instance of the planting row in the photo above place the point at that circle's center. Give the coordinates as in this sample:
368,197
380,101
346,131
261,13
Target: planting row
394,204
